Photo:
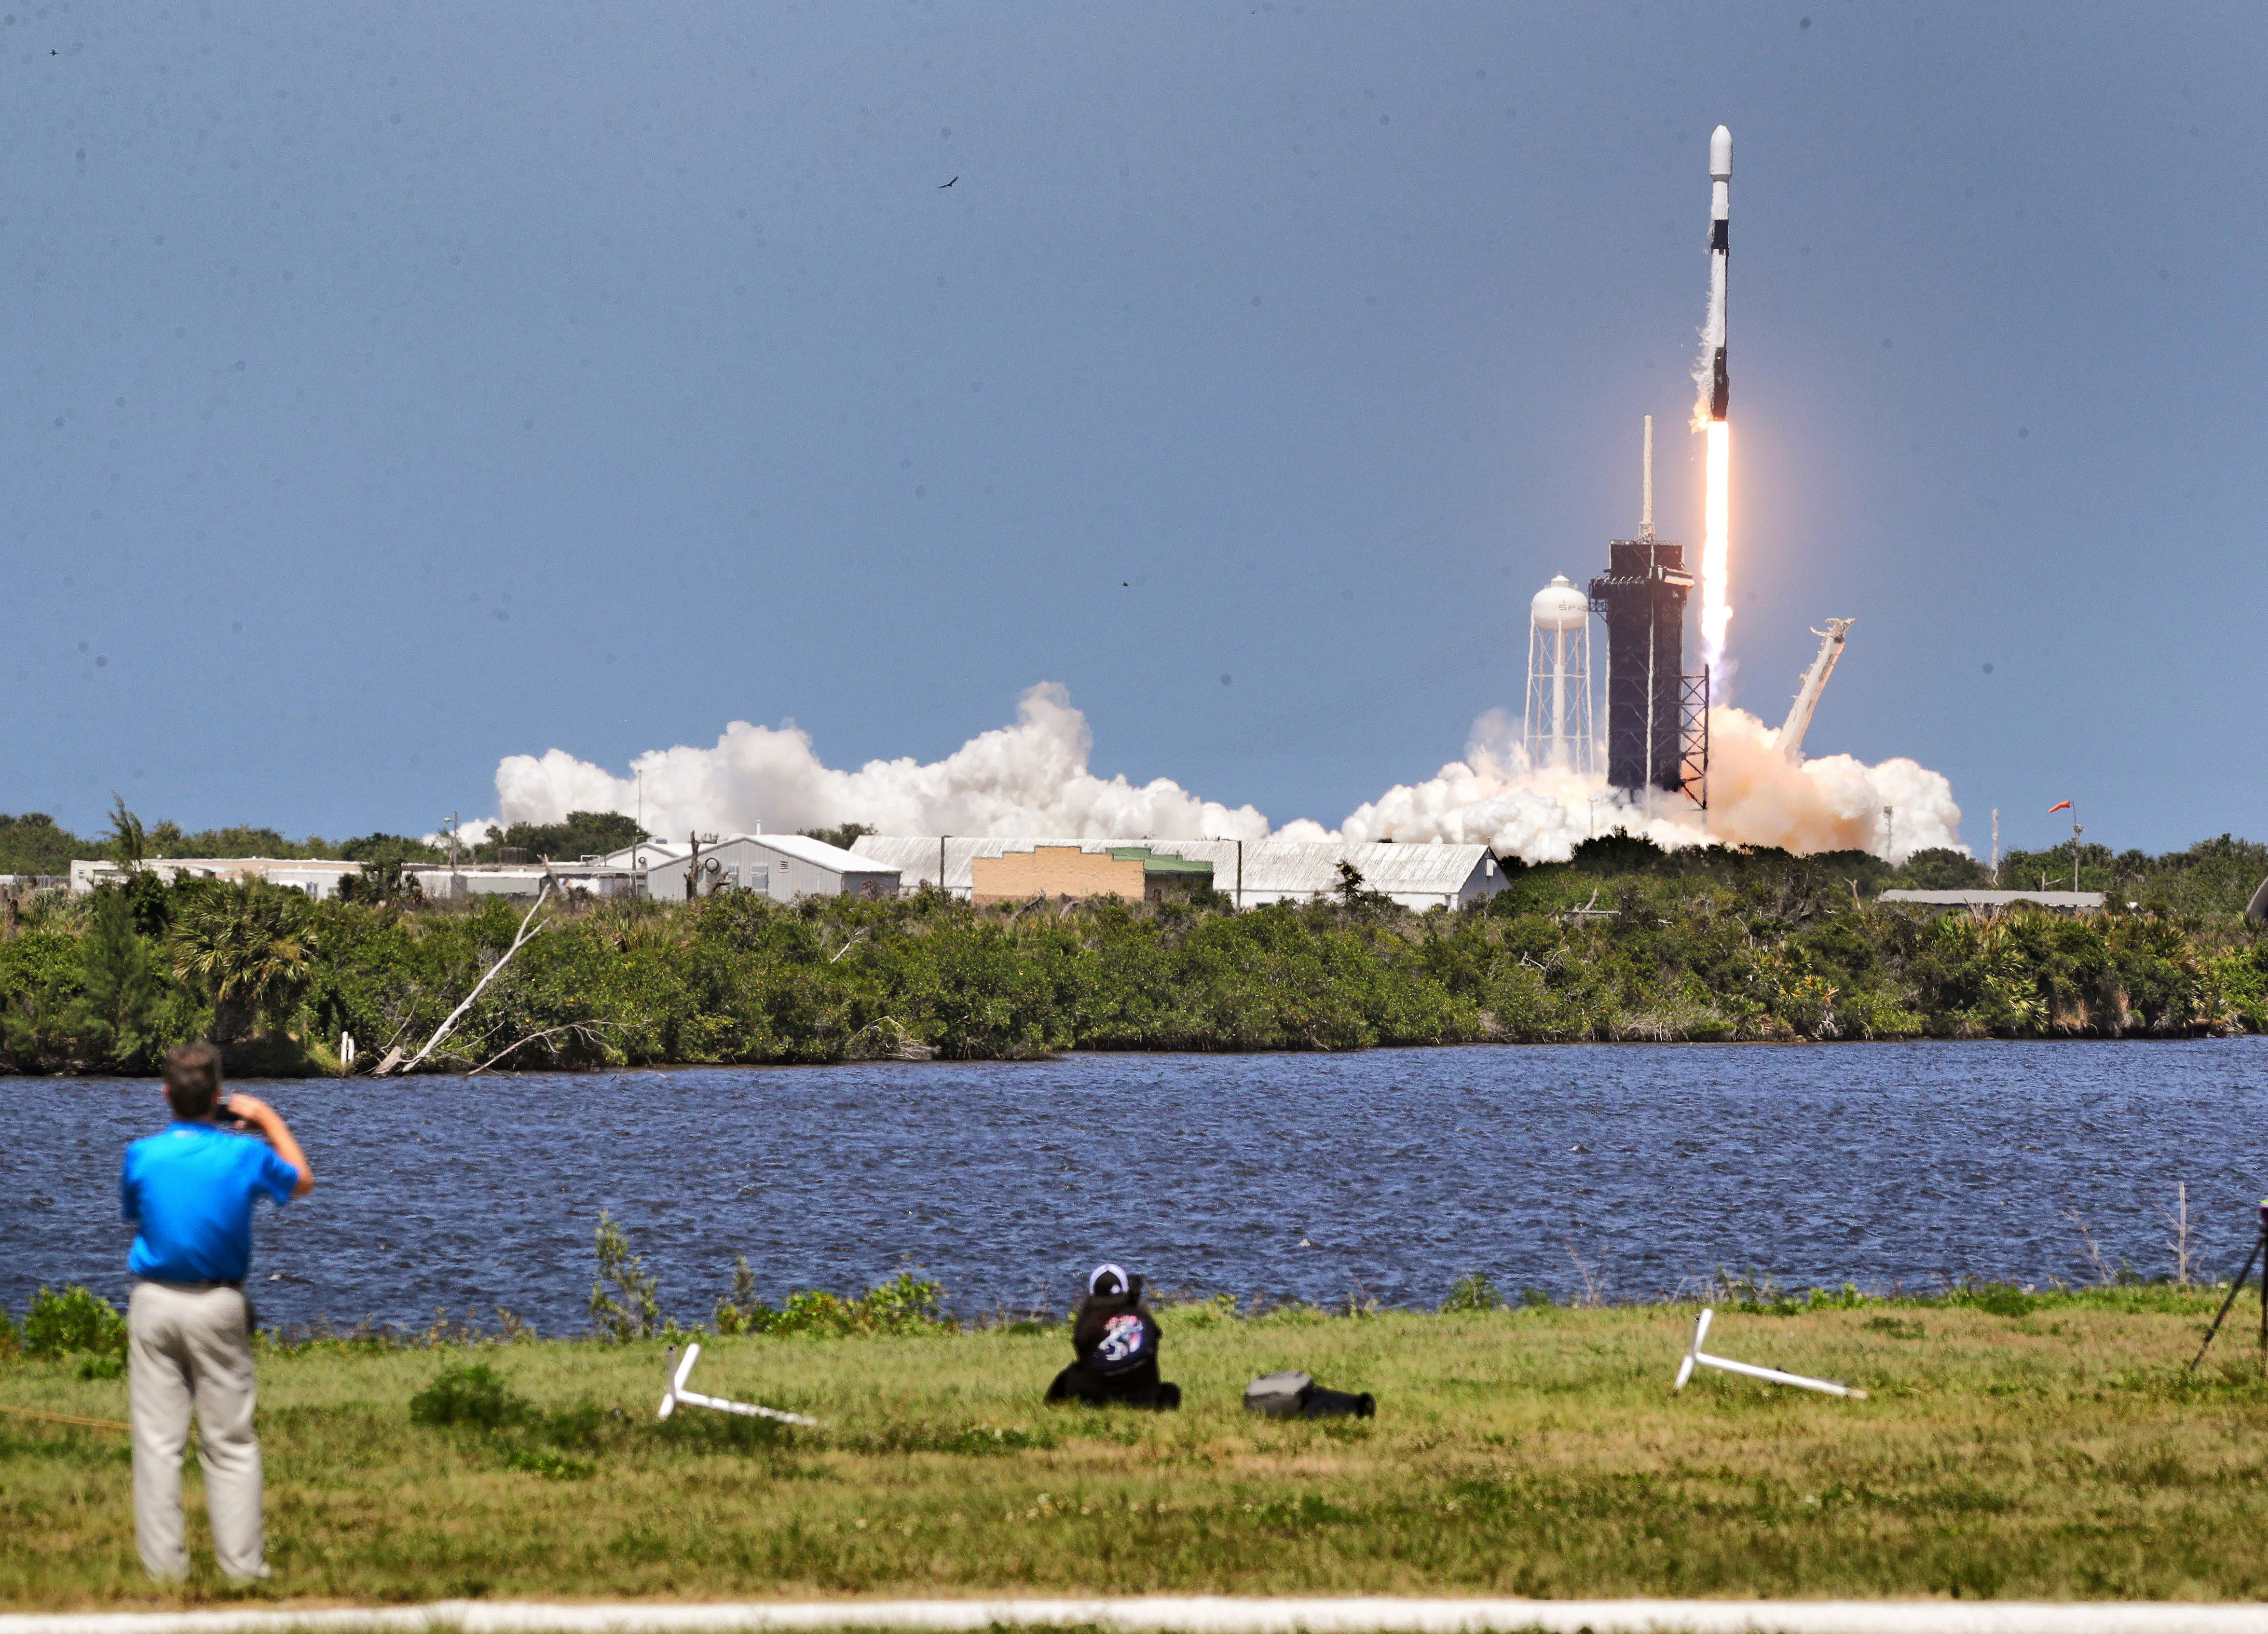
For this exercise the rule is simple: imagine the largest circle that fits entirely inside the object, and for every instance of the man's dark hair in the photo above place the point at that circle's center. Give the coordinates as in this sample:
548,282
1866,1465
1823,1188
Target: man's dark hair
192,1074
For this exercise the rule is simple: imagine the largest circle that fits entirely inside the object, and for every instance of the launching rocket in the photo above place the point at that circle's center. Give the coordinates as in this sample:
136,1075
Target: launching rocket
1721,209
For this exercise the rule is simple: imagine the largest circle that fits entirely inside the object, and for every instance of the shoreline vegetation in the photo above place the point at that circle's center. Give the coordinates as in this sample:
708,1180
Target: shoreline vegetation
2017,1444
1624,944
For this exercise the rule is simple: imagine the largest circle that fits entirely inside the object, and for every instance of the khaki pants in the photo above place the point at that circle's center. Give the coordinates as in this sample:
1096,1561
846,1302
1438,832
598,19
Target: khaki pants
191,1349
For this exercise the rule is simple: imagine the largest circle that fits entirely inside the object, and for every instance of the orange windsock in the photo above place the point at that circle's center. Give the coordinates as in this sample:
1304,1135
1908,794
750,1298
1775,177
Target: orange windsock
2064,806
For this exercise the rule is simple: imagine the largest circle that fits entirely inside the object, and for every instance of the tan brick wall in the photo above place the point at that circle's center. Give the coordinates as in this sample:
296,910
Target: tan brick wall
1054,871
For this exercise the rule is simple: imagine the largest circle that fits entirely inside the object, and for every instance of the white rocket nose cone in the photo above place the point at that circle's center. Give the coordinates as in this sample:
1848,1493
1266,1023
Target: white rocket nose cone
1721,155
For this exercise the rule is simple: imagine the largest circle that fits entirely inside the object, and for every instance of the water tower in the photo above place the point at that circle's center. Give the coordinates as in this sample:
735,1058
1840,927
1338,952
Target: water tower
1558,733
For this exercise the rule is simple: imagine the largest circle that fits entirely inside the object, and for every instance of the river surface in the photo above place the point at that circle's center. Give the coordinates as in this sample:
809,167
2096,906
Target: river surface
1382,1176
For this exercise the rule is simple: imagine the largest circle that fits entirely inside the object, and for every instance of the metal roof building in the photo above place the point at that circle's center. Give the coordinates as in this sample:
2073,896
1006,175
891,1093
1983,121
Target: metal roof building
442,883
2059,901
318,878
782,866
1248,873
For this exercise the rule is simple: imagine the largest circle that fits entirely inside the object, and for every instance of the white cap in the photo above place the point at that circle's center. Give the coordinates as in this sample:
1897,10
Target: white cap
1109,1267
1721,155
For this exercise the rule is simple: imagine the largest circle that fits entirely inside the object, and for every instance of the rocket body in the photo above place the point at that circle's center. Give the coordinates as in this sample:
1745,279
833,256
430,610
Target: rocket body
1720,211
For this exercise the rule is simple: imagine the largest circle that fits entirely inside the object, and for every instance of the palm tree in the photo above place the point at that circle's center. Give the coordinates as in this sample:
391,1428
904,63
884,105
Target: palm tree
244,949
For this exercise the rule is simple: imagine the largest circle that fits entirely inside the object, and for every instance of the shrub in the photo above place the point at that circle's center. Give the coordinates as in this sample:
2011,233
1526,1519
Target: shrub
904,1305
78,1320
631,1310
901,1305
1474,1291
470,1394
743,1312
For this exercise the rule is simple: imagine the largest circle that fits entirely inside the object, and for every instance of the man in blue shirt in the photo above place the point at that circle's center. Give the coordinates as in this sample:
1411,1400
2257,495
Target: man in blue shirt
188,1193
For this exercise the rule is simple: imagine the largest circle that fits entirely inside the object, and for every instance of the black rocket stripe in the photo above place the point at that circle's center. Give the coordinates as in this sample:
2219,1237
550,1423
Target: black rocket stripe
1717,239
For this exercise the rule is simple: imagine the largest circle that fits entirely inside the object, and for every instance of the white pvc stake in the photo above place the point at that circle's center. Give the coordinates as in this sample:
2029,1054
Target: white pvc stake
677,1393
1696,1358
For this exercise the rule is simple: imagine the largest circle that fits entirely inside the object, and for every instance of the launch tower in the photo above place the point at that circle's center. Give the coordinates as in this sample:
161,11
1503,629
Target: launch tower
1641,596
1656,716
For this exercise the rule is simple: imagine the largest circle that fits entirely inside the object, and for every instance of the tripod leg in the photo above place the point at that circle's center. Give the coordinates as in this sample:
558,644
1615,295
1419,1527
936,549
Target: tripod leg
2236,1287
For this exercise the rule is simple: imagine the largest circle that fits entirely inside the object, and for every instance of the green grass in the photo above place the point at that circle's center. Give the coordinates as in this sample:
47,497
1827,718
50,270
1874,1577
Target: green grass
2043,1446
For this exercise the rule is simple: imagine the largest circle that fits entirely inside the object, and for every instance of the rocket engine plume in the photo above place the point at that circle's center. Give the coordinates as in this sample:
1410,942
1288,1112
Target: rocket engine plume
1715,404
1716,610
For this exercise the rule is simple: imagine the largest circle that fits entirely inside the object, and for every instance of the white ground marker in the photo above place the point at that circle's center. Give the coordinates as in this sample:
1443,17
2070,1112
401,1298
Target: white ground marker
1696,1358
677,1393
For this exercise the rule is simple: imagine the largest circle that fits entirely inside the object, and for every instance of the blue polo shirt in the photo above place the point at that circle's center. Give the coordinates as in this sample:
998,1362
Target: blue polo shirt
189,1192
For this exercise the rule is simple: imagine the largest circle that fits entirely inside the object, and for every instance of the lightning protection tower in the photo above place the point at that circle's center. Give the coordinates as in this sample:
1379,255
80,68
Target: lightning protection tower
1559,727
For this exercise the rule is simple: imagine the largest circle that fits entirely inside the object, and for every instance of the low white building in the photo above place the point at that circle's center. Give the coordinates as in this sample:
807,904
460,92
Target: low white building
316,879
442,882
781,866
2054,902
1249,872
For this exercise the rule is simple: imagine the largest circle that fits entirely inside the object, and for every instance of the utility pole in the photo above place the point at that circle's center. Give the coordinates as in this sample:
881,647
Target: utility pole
2075,832
1889,829
1996,848
942,839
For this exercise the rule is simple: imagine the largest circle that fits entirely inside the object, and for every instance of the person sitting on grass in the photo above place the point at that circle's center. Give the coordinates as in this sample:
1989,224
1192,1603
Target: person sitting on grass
187,1192
1115,1343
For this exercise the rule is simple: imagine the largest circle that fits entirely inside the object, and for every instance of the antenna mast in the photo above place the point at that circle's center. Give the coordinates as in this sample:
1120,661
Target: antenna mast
1645,510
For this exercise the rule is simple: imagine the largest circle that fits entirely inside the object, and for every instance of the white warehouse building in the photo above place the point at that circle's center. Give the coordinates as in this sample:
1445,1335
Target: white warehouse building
782,866
1249,872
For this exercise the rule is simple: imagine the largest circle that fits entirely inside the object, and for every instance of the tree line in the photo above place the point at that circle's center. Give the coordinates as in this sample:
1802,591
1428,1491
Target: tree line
1624,943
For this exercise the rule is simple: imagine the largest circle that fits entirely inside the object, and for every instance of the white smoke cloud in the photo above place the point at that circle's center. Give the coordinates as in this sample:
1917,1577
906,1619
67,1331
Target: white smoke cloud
1033,778
1028,778
1756,798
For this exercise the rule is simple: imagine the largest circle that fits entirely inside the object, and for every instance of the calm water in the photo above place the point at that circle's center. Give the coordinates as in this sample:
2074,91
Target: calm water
1385,1175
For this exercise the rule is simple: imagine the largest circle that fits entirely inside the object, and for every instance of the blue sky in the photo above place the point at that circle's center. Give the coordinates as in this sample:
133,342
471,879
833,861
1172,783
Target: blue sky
390,389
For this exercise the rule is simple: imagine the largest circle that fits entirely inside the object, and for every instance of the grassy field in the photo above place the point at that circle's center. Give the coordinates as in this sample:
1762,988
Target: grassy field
2042,1448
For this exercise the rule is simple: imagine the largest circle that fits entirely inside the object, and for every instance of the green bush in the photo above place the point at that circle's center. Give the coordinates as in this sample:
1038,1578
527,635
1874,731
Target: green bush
472,1394
76,1322
904,1305
1474,1291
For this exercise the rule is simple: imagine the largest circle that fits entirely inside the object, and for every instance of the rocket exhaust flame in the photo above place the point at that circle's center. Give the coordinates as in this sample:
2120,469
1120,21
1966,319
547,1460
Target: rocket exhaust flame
1716,610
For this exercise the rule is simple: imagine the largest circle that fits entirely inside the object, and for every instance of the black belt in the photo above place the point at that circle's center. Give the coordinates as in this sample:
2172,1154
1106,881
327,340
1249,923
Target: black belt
197,1287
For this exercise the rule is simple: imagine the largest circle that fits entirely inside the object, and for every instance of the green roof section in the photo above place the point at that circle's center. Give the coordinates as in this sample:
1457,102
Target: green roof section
1159,862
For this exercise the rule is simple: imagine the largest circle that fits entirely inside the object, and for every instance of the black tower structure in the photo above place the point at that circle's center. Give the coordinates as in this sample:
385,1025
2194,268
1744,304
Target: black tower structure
1641,596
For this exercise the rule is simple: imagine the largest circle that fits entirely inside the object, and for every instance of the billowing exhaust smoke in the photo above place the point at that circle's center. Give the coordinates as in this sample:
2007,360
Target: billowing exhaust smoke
1028,778
1033,778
